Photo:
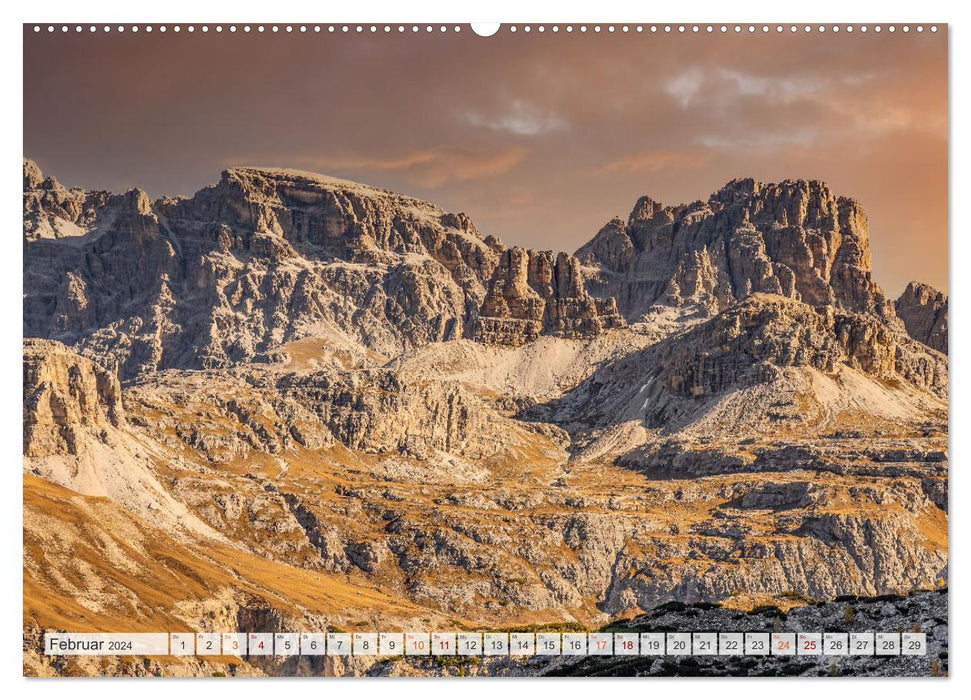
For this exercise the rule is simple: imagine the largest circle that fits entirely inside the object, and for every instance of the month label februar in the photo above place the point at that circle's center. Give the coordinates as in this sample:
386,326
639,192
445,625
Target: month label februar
106,643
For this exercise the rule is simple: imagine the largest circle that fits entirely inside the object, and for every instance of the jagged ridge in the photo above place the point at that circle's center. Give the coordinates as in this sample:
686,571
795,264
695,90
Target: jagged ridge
794,238
269,255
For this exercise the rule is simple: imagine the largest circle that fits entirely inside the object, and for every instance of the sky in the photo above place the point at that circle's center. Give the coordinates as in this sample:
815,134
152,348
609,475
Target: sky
540,138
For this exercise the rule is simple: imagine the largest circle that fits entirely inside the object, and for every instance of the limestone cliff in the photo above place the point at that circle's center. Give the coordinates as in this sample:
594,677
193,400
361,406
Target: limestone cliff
533,293
923,310
794,238
64,396
267,256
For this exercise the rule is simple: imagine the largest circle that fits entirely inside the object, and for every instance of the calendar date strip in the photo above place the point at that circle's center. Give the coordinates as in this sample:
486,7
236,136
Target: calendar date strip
254,644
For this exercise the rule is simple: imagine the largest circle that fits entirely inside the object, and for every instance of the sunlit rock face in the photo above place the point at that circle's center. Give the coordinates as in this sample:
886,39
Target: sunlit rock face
794,238
923,310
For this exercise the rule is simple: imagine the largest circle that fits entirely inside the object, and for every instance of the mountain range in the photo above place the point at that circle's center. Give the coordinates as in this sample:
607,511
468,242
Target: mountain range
293,402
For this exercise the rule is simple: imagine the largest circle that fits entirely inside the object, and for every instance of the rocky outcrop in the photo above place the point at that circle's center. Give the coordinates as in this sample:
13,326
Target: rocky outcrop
266,410
764,333
77,435
65,395
923,310
534,293
266,256
53,211
794,238
765,362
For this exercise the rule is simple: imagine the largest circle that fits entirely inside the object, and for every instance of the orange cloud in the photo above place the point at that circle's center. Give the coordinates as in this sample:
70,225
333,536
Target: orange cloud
431,168
656,161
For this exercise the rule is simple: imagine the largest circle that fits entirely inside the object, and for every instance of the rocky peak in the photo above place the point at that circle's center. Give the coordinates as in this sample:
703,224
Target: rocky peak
736,190
794,238
55,212
50,209
767,331
321,217
759,364
33,176
314,211
644,209
923,310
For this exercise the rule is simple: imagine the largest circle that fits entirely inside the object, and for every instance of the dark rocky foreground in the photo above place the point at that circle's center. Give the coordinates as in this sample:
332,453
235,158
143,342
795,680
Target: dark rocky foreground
922,611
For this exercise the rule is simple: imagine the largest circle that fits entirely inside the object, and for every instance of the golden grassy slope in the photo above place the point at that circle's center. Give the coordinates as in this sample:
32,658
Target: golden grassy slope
91,565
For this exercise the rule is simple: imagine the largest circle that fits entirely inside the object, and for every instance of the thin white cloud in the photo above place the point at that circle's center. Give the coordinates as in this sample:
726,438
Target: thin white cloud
760,139
685,86
521,119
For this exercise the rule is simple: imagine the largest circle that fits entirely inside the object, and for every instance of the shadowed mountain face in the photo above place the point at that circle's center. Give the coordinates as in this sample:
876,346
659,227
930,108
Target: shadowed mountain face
709,402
